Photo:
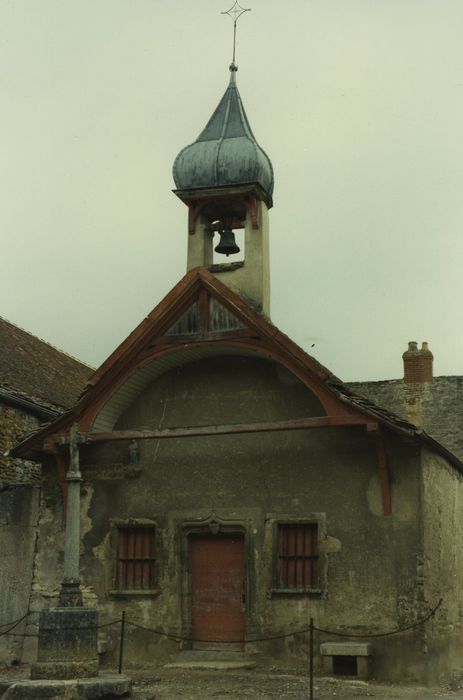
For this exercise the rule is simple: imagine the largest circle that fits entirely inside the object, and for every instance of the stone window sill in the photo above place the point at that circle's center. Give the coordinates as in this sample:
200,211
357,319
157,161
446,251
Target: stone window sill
314,592
136,593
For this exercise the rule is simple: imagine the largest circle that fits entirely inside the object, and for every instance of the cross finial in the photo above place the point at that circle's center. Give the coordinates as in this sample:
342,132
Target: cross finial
235,13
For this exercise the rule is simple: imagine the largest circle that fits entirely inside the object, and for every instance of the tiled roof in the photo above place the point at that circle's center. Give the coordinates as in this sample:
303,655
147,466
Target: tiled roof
34,370
436,407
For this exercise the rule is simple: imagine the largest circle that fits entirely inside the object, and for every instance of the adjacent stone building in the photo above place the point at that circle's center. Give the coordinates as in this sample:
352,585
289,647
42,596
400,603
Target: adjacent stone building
37,383
233,487
432,403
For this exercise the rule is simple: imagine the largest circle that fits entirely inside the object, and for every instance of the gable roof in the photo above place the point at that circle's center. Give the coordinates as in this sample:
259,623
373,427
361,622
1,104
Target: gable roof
183,323
35,371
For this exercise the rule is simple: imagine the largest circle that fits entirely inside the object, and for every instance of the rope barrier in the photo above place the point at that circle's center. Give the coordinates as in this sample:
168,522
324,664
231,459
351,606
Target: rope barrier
26,634
282,635
304,630
13,624
108,624
385,634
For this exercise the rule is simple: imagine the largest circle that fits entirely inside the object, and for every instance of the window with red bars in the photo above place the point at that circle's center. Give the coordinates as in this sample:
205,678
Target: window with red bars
136,558
298,555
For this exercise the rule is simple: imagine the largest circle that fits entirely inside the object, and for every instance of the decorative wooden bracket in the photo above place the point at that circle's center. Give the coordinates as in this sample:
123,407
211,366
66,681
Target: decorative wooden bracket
254,210
384,473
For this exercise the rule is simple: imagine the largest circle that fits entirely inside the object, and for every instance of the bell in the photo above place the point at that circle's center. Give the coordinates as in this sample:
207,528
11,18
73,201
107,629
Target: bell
227,244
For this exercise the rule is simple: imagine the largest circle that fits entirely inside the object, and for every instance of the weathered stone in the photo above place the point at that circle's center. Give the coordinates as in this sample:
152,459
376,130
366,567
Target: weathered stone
18,519
35,690
70,594
65,670
346,649
67,644
107,686
213,660
362,651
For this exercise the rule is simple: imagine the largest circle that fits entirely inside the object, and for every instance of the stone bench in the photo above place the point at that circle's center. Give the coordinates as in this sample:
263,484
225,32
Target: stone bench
346,658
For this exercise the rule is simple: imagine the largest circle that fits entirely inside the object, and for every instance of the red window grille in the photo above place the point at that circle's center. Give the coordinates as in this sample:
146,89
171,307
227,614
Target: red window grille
136,558
298,555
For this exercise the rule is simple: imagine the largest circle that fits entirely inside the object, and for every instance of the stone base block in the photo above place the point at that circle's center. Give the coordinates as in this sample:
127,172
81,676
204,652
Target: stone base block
67,645
105,686
347,658
64,670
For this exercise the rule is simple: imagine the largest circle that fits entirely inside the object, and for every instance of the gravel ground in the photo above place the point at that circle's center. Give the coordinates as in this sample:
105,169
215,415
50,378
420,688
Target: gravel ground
246,685
177,684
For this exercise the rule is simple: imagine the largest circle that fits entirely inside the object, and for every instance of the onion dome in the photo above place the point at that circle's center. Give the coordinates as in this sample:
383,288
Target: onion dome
226,152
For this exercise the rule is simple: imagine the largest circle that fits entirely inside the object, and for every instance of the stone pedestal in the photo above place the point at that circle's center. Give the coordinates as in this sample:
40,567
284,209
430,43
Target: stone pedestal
70,595
67,644
105,686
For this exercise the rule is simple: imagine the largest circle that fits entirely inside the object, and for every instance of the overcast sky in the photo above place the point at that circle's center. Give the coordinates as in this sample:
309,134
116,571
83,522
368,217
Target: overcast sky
358,103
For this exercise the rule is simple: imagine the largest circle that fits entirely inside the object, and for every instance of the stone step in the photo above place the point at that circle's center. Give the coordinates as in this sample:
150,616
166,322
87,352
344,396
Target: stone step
212,660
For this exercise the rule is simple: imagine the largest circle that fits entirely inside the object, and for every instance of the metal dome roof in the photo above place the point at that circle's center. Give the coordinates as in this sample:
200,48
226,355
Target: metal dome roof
226,152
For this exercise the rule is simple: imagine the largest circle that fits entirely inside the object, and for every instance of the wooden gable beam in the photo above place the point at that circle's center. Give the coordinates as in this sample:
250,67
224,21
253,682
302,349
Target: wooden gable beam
210,430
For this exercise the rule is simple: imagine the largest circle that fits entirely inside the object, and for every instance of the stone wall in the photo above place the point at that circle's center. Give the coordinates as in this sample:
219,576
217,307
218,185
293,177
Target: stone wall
14,425
442,567
19,507
18,528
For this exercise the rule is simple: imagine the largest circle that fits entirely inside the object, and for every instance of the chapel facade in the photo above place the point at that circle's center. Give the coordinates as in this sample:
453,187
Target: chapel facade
232,486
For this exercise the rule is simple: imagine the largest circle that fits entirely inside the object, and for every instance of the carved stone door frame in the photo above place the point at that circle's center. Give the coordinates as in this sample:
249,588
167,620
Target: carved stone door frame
213,525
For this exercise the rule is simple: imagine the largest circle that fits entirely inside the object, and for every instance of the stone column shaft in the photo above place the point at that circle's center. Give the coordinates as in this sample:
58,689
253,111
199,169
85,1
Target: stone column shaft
72,536
70,590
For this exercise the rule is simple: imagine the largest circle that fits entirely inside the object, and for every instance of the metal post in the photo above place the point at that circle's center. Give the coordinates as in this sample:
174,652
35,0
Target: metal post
311,659
121,641
71,595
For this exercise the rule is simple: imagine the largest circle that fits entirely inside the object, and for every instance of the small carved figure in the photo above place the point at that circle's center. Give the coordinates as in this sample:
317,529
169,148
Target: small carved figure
134,455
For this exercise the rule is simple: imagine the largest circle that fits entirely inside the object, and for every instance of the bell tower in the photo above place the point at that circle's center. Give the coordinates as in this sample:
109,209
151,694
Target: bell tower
226,180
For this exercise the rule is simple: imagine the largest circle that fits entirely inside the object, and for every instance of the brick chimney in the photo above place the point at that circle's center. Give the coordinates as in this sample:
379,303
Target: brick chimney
417,363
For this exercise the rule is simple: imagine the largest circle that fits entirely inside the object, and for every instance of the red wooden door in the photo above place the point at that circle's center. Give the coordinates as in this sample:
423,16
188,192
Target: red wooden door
217,589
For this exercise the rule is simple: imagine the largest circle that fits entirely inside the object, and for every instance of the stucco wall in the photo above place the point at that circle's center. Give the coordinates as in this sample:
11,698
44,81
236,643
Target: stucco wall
369,561
442,570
